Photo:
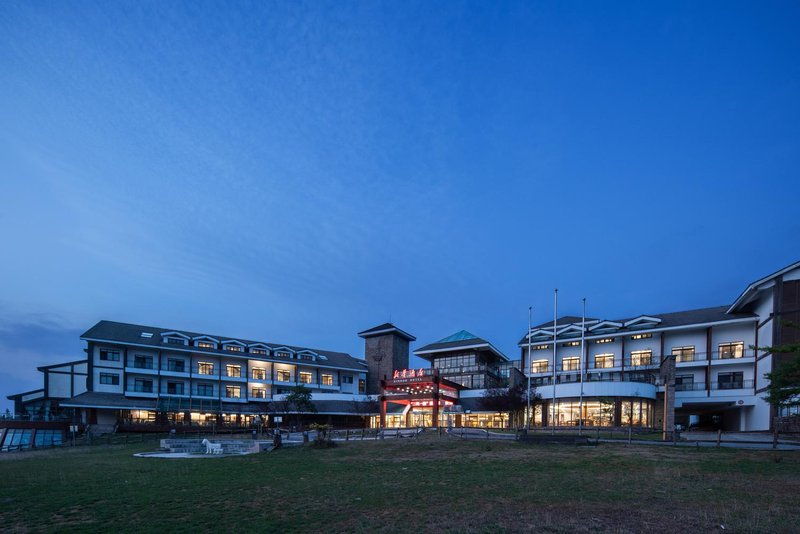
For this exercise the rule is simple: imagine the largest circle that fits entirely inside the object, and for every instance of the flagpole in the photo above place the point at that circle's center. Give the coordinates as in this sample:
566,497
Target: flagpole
528,417
583,362
555,335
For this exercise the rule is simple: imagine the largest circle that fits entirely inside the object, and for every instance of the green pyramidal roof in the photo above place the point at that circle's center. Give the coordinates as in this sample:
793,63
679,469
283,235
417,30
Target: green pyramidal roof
458,336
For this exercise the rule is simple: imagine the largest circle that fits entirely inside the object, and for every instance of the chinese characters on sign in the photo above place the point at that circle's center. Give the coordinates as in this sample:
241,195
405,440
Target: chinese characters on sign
408,373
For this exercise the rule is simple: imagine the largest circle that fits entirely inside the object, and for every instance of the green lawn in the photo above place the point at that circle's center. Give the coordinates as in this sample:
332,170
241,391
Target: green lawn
427,484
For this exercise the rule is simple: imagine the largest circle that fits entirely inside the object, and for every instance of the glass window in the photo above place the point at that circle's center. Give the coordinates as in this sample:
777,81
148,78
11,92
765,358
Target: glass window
259,373
234,371
571,364
175,388
233,392
175,365
362,385
283,354
603,361
142,362
205,390
730,380
539,366
234,348
47,438
259,393
731,350
143,386
109,355
283,375
262,352
305,377
346,379
176,341
683,354
641,357
205,368
327,380
684,382
109,379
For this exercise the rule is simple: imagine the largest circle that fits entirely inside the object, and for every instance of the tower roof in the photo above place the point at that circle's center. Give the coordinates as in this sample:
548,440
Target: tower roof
384,329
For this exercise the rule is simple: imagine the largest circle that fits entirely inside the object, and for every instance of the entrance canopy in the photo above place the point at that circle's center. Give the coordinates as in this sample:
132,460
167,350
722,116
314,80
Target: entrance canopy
421,389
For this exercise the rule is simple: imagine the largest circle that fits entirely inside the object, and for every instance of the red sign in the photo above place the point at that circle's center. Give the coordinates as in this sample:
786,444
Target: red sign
408,373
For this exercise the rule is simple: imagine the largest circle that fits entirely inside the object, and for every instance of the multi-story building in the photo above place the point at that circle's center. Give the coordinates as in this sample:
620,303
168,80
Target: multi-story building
141,374
705,367
700,366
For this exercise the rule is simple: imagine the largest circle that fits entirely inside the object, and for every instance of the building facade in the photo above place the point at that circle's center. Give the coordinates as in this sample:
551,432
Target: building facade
703,367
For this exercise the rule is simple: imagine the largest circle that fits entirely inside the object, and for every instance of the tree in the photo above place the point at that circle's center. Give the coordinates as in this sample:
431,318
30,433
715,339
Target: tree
299,402
783,390
513,400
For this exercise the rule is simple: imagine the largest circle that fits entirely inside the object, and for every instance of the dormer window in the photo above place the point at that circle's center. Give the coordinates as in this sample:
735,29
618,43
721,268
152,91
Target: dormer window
204,345
540,347
234,348
174,338
260,352
605,340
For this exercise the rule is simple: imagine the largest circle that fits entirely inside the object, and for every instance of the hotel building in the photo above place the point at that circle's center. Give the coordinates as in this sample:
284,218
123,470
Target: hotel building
654,370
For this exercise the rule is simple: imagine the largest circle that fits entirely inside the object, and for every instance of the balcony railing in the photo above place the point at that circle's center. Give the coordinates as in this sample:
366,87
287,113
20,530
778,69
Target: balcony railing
716,355
735,384
143,389
175,368
594,377
691,386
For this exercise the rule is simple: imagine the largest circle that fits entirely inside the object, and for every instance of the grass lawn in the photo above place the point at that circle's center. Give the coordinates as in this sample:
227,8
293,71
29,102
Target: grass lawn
427,484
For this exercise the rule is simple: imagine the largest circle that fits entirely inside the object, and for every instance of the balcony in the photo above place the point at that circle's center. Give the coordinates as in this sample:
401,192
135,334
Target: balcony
734,384
691,386
726,356
146,368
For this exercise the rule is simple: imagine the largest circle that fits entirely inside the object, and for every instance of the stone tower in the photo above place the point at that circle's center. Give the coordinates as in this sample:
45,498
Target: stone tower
385,349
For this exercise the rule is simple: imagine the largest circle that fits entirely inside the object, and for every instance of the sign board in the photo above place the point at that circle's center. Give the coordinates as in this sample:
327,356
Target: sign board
277,418
73,428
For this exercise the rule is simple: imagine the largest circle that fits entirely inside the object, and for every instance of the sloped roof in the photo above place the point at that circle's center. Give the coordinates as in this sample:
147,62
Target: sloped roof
461,335
668,320
115,332
386,328
459,340
751,290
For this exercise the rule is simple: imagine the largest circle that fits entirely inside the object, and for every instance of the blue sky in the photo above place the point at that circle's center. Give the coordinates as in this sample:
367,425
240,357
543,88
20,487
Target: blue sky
297,172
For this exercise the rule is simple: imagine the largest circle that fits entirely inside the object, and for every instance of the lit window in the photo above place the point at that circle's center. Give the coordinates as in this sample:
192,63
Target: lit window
283,375
540,347
204,345
683,354
307,357
605,340
283,354
571,364
731,350
603,361
259,393
233,392
641,357
205,368
259,373
305,377
571,344
234,348
234,371
539,366
262,352
362,385
641,336
327,380
109,379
